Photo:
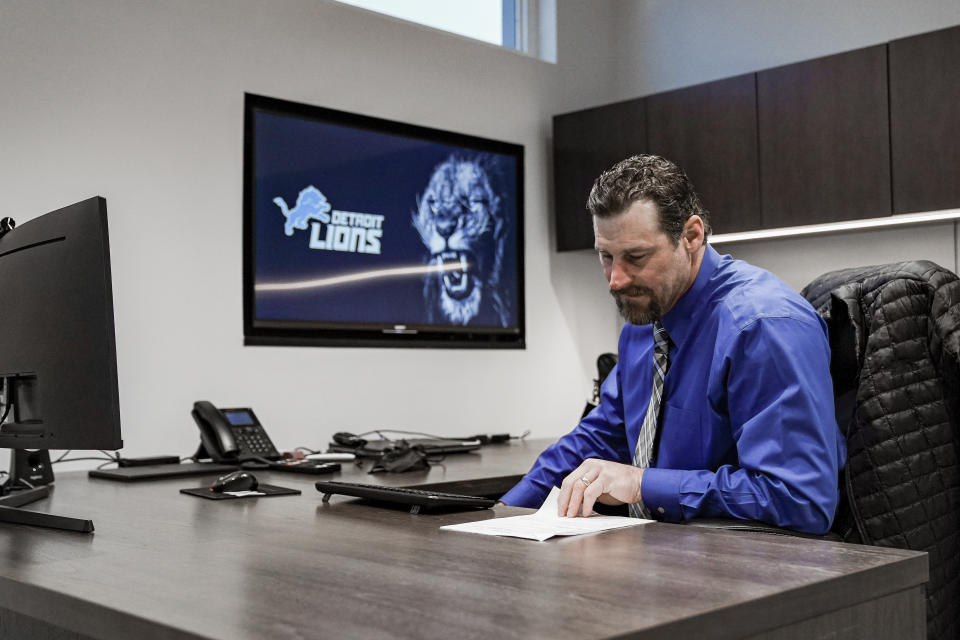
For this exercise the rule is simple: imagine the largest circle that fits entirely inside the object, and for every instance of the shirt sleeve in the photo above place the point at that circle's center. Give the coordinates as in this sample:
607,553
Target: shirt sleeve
599,435
779,396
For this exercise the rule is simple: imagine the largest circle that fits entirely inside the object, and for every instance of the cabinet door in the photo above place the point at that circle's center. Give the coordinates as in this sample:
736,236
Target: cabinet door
586,143
710,130
824,139
925,121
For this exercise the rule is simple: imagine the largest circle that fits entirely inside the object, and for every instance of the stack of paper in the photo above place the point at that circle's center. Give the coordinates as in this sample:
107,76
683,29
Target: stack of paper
545,523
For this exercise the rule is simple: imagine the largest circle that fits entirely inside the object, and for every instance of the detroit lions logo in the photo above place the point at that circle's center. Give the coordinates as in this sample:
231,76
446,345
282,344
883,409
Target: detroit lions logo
460,223
311,205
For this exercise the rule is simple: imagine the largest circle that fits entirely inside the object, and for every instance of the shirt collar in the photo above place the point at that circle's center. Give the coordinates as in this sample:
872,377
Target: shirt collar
680,319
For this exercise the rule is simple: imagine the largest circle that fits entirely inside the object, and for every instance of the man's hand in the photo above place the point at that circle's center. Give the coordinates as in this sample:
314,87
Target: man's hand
599,481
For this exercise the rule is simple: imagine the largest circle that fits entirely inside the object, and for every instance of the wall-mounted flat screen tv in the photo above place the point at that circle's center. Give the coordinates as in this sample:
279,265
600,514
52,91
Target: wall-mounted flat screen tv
360,231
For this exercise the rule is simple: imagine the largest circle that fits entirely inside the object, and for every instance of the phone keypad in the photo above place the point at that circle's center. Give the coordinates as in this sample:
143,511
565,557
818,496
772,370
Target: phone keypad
253,441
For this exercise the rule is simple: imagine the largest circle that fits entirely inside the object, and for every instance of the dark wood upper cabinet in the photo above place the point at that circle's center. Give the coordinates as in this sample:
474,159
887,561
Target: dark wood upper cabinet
710,130
586,143
824,139
925,121
861,134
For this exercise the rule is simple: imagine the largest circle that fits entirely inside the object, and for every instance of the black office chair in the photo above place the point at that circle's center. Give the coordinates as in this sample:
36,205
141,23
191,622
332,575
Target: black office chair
605,364
895,339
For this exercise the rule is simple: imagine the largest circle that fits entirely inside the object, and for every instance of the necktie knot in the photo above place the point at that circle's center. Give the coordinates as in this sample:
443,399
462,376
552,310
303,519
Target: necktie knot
661,348
661,339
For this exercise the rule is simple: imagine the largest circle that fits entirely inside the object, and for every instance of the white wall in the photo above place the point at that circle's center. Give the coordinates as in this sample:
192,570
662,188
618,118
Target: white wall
141,102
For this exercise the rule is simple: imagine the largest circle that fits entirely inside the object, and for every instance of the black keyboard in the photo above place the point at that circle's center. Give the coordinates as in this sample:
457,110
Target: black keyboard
415,498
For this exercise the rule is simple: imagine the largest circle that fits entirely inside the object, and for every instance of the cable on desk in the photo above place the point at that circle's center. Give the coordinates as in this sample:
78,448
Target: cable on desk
108,460
483,438
106,456
380,433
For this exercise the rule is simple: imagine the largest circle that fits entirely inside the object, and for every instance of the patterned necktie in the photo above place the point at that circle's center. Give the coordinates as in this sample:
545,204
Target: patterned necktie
648,432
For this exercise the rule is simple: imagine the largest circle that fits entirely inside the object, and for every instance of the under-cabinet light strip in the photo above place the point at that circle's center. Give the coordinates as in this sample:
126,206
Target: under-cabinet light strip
836,227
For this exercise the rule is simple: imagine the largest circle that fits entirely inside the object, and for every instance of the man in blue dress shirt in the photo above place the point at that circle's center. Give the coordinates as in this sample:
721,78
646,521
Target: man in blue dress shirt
721,404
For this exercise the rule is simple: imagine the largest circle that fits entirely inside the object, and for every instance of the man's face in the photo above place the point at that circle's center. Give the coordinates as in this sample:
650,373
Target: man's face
646,272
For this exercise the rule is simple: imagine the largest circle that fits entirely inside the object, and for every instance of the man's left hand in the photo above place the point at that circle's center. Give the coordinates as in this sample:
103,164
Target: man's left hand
599,481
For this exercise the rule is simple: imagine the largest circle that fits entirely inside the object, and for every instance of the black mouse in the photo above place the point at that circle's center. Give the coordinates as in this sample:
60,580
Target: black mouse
235,481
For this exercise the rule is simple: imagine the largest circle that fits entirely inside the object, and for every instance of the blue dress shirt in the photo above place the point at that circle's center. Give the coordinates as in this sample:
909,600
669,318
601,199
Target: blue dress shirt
748,428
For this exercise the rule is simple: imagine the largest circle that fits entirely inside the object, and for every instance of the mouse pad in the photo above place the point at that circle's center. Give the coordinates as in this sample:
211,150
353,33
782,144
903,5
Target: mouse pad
266,490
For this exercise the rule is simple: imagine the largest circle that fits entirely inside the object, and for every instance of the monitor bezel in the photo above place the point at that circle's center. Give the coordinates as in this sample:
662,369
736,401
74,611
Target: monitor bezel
80,235
361,334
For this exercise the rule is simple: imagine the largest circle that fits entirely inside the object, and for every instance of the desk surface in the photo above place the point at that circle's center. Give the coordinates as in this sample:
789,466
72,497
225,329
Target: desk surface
166,565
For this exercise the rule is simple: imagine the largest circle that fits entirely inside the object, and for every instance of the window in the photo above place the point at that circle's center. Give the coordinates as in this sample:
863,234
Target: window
514,24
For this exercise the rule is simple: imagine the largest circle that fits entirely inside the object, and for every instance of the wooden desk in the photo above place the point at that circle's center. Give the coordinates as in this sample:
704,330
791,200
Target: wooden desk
166,565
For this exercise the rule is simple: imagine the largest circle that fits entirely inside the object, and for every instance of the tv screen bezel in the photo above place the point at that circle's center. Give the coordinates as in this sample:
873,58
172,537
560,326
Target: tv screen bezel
358,334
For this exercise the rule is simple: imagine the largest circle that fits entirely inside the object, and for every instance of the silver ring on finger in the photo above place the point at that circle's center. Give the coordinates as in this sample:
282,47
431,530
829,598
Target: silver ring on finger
585,480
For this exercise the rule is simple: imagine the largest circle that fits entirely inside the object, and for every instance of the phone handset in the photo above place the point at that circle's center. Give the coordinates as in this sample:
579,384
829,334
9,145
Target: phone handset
216,437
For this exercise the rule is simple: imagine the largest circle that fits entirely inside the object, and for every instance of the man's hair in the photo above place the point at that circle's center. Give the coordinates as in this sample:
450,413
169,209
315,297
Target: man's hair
653,178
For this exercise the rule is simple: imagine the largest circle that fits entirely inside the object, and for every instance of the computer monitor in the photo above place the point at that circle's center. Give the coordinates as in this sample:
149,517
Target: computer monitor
58,363
360,231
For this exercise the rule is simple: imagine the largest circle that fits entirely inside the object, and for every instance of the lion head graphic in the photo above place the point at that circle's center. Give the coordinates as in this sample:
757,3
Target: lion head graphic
459,219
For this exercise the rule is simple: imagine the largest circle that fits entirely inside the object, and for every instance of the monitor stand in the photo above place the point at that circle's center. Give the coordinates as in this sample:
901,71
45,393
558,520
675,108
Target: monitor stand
11,498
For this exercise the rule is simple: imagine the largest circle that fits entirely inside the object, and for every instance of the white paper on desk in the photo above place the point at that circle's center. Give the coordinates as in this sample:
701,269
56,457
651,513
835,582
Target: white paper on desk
545,523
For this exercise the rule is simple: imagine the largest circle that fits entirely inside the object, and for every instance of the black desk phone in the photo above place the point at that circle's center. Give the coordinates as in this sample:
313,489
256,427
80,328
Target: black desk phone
231,435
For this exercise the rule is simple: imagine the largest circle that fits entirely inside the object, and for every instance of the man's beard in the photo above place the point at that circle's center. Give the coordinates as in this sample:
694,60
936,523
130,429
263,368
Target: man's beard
633,312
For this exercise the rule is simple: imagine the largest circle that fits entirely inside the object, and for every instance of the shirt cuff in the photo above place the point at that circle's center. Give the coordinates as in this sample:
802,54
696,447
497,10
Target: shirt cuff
524,494
660,492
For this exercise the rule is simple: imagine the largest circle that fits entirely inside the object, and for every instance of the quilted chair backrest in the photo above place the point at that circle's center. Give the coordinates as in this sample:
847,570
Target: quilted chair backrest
895,339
